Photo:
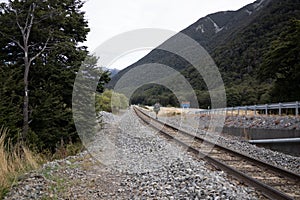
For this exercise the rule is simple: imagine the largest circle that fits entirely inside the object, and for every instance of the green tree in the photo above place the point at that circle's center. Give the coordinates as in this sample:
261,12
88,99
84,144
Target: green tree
110,101
10,99
282,63
40,44
96,73
203,99
21,18
103,102
233,97
88,86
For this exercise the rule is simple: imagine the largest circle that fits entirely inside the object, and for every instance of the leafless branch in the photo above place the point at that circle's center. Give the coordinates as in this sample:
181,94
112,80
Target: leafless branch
29,26
27,18
13,40
17,21
43,49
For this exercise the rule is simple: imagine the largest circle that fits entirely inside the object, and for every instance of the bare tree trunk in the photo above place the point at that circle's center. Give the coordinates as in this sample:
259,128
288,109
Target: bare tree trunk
25,46
26,97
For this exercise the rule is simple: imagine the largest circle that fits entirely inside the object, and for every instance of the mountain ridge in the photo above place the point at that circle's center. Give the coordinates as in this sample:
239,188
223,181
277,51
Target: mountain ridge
192,32
237,41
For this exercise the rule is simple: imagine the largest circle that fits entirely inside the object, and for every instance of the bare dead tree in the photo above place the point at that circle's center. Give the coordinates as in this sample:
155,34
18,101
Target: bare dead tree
25,29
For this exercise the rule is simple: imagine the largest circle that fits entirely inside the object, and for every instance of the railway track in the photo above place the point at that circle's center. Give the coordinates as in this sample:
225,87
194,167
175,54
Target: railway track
272,181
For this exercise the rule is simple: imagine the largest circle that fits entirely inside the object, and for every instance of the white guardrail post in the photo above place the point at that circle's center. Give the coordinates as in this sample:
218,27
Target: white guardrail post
280,109
297,108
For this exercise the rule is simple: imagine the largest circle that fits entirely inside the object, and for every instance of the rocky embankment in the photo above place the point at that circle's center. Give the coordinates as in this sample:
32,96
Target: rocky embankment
141,165
266,122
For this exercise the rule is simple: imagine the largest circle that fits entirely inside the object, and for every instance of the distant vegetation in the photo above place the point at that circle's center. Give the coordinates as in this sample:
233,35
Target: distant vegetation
149,95
110,101
282,64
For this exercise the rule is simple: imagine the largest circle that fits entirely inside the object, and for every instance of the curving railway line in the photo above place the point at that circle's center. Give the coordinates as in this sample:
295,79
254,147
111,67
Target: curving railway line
273,182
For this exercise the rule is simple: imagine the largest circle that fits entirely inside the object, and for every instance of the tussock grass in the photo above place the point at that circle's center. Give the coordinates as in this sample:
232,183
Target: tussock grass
14,160
65,150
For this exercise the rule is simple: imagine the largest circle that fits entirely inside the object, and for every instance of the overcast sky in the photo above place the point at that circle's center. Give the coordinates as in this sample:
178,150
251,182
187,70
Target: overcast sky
112,17
108,18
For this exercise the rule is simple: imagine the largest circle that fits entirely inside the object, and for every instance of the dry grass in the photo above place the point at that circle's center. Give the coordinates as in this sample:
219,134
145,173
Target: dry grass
14,160
168,111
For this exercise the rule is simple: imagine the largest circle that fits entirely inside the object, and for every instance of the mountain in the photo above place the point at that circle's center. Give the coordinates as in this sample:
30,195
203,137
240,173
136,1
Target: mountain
238,41
112,72
218,28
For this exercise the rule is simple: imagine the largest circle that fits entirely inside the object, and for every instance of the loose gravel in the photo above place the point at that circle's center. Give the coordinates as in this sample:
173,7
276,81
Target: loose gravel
266,122
143,166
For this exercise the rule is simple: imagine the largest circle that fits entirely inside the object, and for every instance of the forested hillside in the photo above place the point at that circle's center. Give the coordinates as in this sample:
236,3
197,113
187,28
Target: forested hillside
244,45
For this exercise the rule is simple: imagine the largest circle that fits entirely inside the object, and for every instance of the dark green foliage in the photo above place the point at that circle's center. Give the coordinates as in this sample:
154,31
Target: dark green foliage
52,73
88,85
203,99
282,63
110,101
95,73
151,93
11,99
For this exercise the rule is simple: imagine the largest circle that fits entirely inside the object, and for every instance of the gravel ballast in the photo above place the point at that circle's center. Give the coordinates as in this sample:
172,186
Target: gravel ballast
143,166
238,144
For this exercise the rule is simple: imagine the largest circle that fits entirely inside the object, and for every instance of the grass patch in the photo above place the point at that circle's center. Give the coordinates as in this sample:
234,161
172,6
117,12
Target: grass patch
65,150
14,160
145,107
17,159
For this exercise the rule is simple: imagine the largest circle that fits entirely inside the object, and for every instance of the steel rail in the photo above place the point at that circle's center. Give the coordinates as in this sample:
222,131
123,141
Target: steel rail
267,190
